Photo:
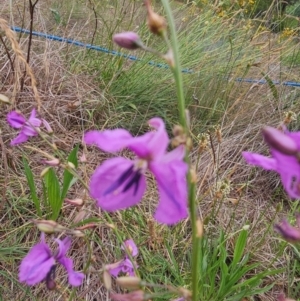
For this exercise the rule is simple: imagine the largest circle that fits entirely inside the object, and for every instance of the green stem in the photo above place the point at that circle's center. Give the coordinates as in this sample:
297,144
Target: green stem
177,68
182,116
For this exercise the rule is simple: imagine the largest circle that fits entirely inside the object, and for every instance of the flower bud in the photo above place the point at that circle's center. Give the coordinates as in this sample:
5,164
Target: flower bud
53,162
75,202
107,280
279,141
47,126
129,40
48,226
156,23
71,165
4,99
129,282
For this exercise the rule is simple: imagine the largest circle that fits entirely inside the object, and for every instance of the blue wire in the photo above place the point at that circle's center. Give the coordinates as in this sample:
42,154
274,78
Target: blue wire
135,58
89,46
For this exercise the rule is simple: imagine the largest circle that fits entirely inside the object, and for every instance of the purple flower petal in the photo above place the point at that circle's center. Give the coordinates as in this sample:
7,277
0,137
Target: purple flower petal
131,246
74,278
37,264
29,131
19,139
125,266
109,194
172,186
109,141
288,232
152,145
33,121
15,119
259,160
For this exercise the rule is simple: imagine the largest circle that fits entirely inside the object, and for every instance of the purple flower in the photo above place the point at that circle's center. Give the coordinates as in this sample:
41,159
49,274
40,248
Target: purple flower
288,232
124,266
285,150
18,121
129,40
120,183
39,264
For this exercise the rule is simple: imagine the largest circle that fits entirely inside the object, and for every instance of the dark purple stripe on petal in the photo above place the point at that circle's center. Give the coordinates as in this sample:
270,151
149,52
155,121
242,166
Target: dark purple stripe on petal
122,178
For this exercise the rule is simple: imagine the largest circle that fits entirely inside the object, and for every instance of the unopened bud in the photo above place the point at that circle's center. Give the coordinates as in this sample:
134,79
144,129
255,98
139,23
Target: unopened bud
156,23
77,233
53,162
75,202
44,171
107,280
279,141
71,165
4,99
129,282
47,126
129,40
48,226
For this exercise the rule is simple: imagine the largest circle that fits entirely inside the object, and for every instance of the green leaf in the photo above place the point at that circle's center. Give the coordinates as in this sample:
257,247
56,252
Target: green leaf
239,248
31,184
53,193
68,177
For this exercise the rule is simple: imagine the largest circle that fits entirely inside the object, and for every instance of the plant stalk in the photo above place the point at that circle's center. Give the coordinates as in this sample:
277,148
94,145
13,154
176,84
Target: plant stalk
183,121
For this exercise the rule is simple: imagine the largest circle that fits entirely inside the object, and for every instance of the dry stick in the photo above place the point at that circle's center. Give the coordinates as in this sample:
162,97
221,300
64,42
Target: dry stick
31,12
7,53
96,21
20,58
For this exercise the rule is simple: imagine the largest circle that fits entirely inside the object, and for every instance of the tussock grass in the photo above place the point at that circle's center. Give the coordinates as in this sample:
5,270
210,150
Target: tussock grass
81,89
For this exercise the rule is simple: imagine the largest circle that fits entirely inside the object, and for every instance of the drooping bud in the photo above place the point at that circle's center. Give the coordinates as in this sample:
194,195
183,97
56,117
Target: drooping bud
128,40
47,126
53,162
107,280
4,99
129,282
279,141
71,165
48,226
156,23
75,202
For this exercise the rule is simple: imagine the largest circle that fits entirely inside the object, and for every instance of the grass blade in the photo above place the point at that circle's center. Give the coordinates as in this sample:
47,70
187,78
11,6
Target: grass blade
31,184
53,192
68,177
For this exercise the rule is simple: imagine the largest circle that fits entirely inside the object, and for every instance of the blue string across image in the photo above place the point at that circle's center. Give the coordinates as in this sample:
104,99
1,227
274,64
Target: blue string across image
135,58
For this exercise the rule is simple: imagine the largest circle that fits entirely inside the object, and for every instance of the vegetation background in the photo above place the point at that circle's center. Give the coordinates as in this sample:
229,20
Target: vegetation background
222,44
